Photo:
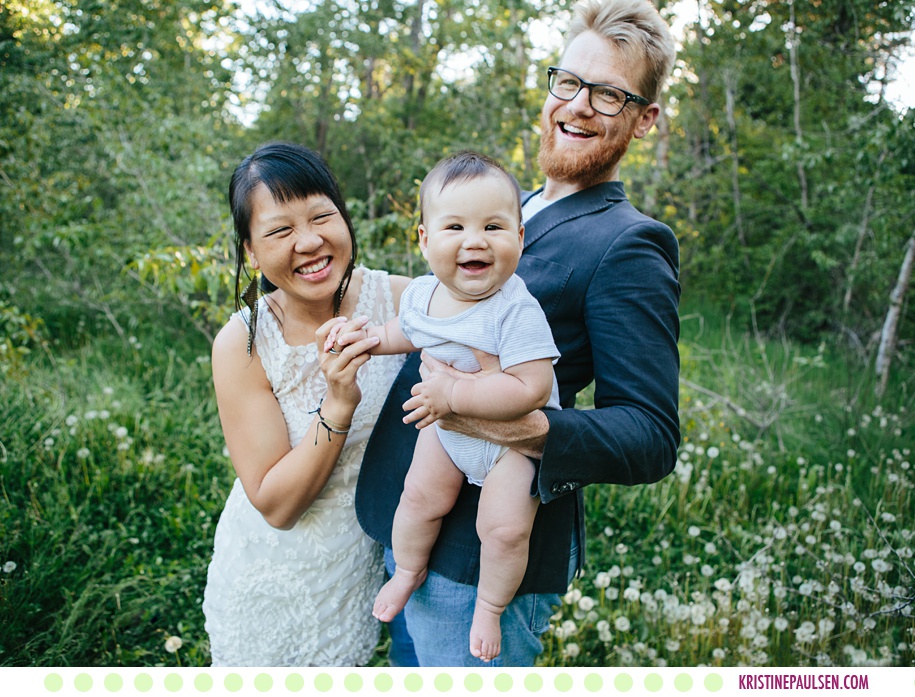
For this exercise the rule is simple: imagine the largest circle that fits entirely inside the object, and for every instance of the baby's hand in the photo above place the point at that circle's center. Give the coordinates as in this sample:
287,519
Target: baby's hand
345,333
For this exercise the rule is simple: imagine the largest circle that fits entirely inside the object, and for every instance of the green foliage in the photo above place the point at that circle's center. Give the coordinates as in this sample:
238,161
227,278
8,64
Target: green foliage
120,123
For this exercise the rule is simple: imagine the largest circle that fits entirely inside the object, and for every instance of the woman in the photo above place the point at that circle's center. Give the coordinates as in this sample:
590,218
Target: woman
293,577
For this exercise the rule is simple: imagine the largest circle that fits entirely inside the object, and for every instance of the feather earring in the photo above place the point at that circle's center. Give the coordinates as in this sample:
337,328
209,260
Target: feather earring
250,299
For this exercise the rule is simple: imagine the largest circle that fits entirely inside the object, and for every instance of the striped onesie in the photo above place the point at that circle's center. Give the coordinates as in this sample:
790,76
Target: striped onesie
509,324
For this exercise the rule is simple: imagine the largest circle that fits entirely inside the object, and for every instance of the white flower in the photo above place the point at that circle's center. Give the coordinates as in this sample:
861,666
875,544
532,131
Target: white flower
613,571
9,567
586,603
108,390
121,432
602,580
880,566
630,594
712,452
694,531
82,453
572,597
672,645
707,571
622,624
572,650
781,624
173,643
710,548
718,654
723,585
71,420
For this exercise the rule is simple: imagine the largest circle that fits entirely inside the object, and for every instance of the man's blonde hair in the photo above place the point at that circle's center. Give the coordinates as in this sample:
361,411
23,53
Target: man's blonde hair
637,30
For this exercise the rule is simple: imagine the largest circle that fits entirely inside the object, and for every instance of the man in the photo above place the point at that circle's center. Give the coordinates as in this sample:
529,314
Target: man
606,277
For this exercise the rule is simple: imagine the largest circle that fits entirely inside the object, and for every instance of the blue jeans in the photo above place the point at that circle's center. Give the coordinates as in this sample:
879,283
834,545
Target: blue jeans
434,628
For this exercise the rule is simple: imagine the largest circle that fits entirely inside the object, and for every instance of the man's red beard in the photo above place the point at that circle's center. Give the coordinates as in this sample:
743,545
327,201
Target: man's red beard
586,169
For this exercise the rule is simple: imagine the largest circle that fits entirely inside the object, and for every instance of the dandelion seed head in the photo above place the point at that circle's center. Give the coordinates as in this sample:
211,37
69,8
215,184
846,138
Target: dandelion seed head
71,420
173,643
571,650
82,453
713,452
586,603
880,566
9,567
602,580
622,624
572,597
718,654
780,624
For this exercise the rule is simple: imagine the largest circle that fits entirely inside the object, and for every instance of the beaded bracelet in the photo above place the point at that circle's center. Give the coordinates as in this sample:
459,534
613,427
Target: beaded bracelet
330,426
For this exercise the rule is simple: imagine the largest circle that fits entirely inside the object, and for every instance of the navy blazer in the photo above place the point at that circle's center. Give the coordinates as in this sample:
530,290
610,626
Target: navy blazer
606,277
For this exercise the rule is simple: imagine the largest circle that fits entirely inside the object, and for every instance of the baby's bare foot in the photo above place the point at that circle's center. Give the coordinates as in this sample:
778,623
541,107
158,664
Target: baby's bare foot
394,594
485,633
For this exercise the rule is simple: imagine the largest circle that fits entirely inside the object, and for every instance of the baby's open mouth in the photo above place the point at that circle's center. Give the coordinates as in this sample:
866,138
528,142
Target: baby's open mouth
473,265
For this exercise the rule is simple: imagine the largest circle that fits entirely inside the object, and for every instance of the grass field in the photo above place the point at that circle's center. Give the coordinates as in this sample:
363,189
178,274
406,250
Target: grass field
784,537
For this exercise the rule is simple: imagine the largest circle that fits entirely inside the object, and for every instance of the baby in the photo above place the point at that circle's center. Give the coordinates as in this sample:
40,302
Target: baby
471,234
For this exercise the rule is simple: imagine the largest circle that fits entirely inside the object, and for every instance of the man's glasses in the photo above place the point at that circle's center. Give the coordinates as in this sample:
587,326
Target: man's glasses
604,99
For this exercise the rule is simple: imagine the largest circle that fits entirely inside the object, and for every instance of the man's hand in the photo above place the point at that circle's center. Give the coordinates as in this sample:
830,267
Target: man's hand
488,364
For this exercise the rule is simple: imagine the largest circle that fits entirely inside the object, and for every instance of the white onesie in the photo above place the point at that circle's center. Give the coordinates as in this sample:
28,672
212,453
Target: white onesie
509,324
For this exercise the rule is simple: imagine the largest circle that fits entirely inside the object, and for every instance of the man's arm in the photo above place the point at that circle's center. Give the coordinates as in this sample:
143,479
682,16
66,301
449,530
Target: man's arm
526,434
495,395
630,317
632,434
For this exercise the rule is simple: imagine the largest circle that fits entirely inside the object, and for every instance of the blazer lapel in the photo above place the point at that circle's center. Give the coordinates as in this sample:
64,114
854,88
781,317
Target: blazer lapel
586,202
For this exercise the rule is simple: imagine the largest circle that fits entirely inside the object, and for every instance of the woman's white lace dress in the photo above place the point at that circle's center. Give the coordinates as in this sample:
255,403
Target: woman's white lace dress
303,597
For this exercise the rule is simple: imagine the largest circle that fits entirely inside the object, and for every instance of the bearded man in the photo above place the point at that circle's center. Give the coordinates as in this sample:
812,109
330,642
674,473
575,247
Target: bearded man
606,277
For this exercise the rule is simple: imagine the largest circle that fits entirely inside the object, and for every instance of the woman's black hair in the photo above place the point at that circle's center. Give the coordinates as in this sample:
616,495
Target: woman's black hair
289,172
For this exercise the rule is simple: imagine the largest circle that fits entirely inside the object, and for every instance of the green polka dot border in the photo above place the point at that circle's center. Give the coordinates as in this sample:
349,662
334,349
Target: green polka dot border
393,681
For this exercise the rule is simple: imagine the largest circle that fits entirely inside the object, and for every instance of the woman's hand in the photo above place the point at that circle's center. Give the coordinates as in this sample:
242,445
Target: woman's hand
340,364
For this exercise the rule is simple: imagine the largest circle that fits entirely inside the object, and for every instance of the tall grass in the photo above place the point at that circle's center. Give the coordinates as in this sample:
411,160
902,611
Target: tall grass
784,536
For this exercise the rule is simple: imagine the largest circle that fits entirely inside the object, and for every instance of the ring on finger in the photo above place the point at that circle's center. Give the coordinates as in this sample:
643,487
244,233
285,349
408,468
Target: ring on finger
333,350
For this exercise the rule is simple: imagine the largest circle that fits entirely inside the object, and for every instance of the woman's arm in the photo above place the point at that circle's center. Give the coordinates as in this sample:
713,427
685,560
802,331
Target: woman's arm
280,481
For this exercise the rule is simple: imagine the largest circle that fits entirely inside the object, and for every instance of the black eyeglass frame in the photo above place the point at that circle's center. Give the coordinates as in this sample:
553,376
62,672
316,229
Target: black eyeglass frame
630,97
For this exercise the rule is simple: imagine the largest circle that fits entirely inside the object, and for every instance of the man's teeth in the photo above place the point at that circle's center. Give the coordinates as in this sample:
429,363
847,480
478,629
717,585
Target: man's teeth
317,266
568,128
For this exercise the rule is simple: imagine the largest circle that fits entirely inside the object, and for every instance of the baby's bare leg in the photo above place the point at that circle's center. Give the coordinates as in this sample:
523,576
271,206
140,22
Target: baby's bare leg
430,490
504,521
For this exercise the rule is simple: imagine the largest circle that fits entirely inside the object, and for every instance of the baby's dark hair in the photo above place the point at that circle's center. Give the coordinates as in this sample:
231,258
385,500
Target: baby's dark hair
465,165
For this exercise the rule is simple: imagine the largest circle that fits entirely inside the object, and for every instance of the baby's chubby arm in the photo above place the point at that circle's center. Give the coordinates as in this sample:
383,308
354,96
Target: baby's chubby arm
502,396
390,337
